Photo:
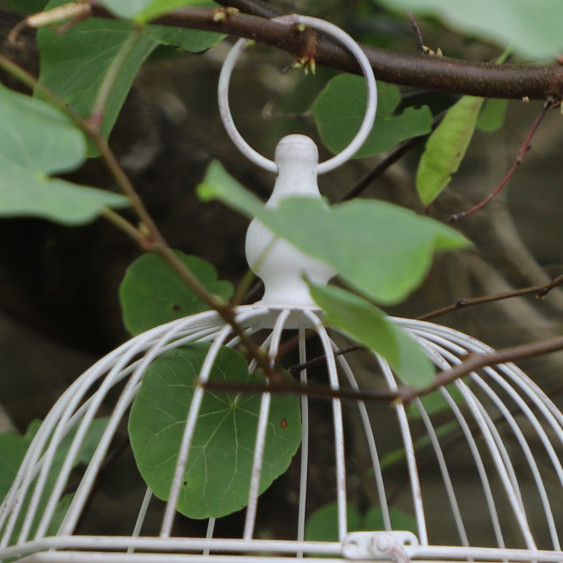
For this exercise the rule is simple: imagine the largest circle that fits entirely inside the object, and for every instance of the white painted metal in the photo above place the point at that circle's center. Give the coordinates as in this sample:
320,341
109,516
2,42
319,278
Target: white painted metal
497,442
351,45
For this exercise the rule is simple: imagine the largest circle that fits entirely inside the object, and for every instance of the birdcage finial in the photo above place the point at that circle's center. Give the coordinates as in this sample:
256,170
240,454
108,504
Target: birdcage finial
284,269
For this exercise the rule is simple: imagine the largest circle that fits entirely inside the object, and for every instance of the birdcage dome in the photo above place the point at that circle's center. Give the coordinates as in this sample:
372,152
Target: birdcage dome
471,473
482,479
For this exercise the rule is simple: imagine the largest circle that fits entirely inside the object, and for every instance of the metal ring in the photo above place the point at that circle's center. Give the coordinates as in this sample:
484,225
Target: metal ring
360,56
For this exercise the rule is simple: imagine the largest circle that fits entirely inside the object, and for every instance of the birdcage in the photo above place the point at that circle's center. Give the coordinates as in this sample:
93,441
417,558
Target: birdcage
472,473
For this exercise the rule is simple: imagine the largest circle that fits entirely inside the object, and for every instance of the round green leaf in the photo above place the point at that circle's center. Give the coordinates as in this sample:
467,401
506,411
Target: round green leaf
152,293
339,111
217,477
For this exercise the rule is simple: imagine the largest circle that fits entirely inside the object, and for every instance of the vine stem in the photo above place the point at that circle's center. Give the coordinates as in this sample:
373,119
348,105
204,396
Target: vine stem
154,241
403,394
541,290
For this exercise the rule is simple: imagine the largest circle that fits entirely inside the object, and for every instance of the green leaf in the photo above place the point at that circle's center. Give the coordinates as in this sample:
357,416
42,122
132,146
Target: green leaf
142,11
217,477
339,111
153,293
219,184
397,243
74,64
446,148
532,28
14,447
322,524
400,520
36,141
492,115
369,325
435,402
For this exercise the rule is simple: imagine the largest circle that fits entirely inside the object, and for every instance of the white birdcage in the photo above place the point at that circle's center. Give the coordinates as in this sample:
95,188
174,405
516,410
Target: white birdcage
481,476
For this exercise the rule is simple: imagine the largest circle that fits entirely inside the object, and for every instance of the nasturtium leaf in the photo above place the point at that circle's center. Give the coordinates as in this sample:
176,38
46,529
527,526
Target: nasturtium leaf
152,293
322,524
217,477
400,520
37,141
492,115
533,29
372,327
446,148
339,111
14,448
395,244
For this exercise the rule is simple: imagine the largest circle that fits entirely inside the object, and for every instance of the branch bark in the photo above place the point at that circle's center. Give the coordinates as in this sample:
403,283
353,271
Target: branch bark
511,81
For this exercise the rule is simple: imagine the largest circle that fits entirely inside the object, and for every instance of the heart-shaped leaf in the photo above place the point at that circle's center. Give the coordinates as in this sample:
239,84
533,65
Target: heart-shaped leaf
152,293
339,111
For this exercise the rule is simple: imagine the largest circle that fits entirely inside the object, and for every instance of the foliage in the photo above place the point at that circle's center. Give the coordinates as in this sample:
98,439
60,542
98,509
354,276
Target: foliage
152,293
345,97
90,69
217,476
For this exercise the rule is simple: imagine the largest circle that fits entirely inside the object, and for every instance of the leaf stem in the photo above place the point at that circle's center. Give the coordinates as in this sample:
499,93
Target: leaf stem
111,76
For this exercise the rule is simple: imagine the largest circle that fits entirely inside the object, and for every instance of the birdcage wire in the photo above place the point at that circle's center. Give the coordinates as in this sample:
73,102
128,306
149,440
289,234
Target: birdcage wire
496,442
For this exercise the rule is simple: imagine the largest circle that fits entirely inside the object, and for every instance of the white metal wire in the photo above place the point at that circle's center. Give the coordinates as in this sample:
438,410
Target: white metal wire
351,45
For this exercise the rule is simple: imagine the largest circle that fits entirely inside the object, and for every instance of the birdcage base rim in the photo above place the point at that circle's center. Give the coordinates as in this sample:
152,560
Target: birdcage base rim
120,549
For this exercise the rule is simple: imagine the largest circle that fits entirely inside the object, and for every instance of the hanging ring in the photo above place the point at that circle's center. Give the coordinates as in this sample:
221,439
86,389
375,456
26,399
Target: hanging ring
360,56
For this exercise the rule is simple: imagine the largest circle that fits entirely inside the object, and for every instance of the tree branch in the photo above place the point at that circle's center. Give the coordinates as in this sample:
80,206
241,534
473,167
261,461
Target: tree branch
511,81
541,290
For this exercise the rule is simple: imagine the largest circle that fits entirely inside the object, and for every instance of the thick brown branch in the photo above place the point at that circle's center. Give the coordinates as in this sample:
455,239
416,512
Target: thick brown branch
432,73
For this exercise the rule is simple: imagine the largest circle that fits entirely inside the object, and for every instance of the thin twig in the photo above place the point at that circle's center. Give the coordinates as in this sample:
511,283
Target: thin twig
541,290
417,34
476,361
548,104
403,394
